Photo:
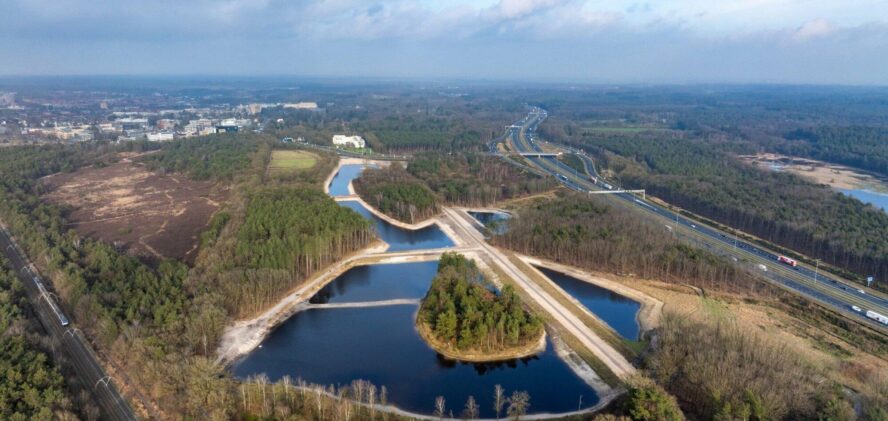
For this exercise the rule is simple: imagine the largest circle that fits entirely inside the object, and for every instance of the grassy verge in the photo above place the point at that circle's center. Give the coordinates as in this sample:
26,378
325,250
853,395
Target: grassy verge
594,362
603,331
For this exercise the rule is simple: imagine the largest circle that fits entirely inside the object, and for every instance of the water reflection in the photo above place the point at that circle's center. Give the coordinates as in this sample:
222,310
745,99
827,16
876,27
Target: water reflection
380,344
618,311
400,239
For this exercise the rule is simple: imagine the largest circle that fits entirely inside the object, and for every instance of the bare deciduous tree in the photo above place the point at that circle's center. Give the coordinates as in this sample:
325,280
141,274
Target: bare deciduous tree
471,410
518,404
439,407
499,399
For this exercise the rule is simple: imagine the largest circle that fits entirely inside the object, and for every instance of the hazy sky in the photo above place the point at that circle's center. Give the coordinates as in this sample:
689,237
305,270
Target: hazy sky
794,41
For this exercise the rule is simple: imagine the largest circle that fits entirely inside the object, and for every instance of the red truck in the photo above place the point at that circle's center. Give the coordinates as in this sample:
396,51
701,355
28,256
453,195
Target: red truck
787,260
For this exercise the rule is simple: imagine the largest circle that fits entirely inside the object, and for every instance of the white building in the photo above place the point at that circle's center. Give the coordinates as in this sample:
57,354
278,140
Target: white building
159,136
353,141
301,105
199,127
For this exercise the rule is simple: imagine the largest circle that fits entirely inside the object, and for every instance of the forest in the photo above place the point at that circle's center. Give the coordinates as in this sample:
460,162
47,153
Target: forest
31,386
137,314
856,146
722,372
586,231
778,207
288,234
397,193
470,179
217,157
464,312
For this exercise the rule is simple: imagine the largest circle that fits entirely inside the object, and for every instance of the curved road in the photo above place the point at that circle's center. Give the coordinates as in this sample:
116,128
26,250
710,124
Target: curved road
839,295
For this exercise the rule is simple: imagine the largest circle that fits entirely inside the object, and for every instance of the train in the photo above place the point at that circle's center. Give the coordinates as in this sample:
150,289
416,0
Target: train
787,260
63,320
877,317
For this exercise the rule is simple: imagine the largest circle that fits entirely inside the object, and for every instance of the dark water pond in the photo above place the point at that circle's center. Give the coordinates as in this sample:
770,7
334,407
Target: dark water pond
497,222
378,283
614,309
400,239
379,344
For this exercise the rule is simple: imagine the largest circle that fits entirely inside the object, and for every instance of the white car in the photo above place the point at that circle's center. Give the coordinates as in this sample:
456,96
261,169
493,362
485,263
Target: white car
857,309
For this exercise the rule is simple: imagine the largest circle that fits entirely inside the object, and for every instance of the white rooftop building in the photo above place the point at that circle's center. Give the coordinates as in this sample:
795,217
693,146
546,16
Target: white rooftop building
353,141
159,136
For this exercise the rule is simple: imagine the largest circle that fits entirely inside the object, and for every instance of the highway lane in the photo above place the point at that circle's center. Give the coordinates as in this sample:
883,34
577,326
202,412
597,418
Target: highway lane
836,294
72,343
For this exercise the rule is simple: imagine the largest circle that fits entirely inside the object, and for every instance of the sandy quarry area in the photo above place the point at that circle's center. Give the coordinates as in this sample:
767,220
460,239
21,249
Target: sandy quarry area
149,215
835,176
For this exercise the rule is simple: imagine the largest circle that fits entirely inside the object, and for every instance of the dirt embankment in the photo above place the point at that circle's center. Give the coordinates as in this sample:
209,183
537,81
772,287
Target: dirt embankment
651,308
836,176
521,351
151,216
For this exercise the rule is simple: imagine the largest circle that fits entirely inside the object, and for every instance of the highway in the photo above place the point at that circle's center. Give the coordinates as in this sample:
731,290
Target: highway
839,295
69,339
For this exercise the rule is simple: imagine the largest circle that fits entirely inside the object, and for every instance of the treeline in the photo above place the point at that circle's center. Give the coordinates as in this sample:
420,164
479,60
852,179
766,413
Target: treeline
288,234
590,233
152,323
31,386
464,313
778,207
220,156
475,180
137,314
397,193
415,134
161,326
856,146
719,371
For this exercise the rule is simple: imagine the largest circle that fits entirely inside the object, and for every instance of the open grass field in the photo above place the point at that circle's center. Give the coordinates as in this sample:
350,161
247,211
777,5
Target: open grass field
288,161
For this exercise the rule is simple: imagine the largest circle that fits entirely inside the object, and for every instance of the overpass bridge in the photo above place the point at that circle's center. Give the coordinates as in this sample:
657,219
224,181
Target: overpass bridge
540,154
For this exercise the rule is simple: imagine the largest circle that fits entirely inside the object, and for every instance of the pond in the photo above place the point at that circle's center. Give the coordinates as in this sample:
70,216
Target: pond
400,239
379,282
614,309
380,344
497,222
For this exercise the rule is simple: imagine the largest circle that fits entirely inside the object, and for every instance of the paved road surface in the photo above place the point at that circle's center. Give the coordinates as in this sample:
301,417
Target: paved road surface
71,341
828,290
602,350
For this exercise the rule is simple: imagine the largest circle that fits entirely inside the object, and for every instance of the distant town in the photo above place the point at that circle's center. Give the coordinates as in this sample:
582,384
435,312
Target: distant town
77,119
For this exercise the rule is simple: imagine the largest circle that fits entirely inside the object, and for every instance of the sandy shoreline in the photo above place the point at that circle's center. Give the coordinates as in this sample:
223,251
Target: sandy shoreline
422,329
839,177
245,335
